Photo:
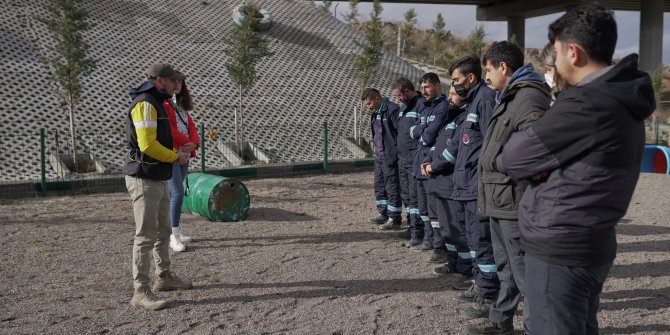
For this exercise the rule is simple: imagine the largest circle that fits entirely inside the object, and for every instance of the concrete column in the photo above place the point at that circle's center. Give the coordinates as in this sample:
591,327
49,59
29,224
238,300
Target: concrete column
516,26
651,34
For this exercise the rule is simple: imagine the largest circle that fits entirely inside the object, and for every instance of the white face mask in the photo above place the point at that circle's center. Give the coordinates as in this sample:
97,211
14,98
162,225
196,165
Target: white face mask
549,79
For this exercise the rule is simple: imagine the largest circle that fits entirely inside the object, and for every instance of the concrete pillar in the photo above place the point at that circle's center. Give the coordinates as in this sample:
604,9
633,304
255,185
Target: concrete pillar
516,26
651,34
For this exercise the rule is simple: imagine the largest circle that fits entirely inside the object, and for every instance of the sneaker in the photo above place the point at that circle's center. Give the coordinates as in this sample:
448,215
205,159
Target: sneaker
390,225
421,247
446,270
489,328
176,244
468,295
146,299
438,256
480,309
462,283
168,281
413,242
379,219
184,239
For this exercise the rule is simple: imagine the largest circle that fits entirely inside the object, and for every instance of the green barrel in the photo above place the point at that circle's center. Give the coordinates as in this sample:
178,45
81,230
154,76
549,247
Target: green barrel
216,198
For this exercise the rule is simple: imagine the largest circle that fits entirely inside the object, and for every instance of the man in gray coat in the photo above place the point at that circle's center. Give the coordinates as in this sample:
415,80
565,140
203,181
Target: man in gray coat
521,98
583,161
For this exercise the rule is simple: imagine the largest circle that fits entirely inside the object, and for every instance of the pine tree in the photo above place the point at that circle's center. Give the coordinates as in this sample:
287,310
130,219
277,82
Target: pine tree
68,58
245,48
408,27
474,44
371,55
439,36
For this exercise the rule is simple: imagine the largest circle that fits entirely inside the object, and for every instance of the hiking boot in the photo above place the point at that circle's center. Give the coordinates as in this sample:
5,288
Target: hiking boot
413,242
480,309
421,247
143,297
379,219
468,295
489,328
176,244
168,281
462,283
446,270
390,225
405,235
438,256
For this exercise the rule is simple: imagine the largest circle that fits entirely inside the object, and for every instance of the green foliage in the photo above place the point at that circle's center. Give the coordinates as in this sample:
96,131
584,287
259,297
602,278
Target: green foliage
245,48
439,36
408,27
474,44
68,56
326,5
352,16
657,83
513,39
371,55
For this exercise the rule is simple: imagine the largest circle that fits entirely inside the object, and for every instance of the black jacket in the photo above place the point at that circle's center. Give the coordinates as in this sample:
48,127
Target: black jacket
590,142
139,164
435,113
407,118
441,183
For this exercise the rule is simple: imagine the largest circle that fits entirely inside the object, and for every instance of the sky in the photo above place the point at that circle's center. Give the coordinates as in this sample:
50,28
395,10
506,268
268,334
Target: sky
461,20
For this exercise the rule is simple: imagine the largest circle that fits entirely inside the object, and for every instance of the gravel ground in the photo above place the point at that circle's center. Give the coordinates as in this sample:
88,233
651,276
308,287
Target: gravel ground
304,262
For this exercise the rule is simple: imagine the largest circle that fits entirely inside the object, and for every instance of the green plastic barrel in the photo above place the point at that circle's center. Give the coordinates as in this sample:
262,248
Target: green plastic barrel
216,198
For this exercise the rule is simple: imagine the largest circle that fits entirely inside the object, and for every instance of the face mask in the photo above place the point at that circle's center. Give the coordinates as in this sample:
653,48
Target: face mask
460,89
549,79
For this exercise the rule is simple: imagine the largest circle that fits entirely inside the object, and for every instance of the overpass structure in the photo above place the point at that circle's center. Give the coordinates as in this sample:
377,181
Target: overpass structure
515,12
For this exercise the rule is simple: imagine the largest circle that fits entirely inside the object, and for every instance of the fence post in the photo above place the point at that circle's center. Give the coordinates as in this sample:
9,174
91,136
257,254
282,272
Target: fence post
325,146
202,148
43,174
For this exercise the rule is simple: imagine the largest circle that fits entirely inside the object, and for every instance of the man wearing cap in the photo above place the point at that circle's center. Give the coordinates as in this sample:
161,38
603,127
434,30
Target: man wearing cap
148,166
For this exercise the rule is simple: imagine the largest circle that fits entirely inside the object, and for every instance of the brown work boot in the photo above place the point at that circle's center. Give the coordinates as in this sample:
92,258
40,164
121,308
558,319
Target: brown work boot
146,299
168,281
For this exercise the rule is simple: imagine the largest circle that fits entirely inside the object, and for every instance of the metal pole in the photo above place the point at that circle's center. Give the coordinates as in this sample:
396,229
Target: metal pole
202,148
355,125
325,146
43,174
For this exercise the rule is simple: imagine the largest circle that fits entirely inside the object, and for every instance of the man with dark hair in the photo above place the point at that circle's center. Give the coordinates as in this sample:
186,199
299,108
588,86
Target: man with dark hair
522,97
432,119
482,284
147,166
383,121
412,103
582,160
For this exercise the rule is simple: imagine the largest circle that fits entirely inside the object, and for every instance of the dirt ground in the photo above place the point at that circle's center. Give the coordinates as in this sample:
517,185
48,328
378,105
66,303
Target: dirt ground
304,262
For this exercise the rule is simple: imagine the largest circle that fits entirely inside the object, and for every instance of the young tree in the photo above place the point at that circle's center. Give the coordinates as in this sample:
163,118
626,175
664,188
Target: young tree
352,16
408,28
68,57
474,44
439,36
244,48
657,84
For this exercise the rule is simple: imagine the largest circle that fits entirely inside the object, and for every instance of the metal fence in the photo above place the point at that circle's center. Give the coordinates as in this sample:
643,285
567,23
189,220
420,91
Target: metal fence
43,164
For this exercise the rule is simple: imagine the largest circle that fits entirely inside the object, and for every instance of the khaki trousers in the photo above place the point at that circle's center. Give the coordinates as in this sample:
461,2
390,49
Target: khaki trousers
151,207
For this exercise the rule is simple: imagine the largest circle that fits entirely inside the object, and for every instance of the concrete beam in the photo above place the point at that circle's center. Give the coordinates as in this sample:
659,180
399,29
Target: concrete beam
651,34
502,10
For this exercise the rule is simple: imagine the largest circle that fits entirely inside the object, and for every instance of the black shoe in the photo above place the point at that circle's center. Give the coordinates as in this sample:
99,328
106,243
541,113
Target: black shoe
489,328
468,295
480,309
379,219
438,256
390,225
421,247
405,235
462,283
413,242
446,270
